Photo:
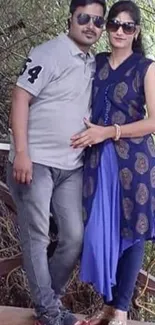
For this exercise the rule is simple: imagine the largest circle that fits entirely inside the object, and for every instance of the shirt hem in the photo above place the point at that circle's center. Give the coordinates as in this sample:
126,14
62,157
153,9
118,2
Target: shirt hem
53,165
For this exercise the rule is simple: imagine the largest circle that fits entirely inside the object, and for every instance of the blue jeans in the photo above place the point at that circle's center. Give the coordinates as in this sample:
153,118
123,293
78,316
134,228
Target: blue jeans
127,271
62,190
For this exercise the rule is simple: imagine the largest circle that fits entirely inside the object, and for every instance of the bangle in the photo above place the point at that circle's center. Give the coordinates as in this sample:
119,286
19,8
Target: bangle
118,132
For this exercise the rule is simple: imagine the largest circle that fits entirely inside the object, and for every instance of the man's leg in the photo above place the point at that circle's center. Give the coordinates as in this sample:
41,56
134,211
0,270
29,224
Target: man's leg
67,210
33,202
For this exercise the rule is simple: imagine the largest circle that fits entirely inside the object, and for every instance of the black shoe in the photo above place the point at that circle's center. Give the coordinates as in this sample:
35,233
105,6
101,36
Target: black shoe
64,318
48,320
68,317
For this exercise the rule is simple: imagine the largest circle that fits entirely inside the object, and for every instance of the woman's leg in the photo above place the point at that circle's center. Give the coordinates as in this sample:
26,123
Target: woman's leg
127,272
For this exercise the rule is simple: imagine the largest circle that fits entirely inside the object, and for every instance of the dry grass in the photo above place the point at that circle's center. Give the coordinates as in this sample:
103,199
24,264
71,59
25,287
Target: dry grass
14,288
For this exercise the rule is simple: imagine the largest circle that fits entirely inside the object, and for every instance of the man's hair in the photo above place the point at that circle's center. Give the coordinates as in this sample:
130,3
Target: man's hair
82,3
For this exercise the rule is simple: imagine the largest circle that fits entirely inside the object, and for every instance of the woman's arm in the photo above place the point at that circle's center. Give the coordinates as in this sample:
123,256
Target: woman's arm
146,126
96,134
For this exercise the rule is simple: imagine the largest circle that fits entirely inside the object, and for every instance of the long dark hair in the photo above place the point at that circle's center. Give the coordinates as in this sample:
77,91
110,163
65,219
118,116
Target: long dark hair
82,3
134,11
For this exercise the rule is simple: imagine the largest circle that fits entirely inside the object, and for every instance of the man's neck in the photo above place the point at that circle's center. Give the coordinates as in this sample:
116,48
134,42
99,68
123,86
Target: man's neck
83,48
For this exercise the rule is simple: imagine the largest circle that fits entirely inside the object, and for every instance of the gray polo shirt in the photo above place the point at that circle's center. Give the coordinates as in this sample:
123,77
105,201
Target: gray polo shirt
59,75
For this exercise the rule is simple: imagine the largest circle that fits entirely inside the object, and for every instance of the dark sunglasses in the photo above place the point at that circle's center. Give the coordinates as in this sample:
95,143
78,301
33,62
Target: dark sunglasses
84,19
129,28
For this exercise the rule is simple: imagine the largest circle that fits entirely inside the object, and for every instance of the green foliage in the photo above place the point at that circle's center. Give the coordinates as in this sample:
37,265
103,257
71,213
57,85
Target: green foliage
26,23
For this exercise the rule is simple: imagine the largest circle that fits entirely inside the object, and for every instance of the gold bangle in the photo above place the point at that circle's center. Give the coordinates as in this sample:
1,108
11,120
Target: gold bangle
118,132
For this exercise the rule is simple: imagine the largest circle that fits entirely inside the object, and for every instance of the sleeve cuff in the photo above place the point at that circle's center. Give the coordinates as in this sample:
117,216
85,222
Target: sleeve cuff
27,88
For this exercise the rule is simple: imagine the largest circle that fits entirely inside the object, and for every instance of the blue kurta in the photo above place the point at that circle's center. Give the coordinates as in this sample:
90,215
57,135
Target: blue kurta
119,177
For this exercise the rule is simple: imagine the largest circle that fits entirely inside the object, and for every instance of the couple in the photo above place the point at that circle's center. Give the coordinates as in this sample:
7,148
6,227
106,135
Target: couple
51,129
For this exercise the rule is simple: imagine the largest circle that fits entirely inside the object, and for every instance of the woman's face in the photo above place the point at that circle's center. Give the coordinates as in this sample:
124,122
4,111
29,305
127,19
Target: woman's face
122,31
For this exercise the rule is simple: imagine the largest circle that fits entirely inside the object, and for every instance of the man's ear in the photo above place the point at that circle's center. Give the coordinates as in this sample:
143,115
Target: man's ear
69,21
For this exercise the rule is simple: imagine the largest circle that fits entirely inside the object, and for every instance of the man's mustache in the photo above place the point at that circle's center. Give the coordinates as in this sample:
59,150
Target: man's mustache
90,32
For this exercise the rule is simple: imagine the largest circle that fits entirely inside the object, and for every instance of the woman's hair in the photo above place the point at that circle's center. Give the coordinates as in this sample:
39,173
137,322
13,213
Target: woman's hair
134,11
82,3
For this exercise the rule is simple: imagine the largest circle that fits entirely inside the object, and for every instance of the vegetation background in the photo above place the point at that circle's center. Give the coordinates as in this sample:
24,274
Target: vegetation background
23,25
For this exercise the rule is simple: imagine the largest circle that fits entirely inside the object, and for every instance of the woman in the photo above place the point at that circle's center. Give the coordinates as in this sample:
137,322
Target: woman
119,176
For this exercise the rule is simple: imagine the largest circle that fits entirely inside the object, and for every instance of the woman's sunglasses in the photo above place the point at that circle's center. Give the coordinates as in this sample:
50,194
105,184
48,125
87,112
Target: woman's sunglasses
129,28
84,19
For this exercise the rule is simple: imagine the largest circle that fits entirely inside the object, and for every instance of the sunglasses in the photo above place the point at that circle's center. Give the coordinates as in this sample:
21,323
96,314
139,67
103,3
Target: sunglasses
84,19
129,28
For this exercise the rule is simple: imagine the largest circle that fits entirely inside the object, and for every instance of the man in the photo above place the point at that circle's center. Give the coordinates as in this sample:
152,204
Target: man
50,101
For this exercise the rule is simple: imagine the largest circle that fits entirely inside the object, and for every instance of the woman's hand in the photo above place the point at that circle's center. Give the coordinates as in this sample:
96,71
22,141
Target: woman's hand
93,135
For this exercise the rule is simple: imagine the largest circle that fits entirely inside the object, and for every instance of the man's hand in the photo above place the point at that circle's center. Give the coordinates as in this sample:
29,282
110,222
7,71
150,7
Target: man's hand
22,168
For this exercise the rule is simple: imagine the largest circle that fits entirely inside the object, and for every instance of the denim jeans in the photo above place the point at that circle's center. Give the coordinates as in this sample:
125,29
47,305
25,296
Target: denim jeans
127,271
62,191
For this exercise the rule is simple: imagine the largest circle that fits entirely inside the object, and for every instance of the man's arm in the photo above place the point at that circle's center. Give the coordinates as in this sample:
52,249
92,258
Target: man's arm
22,166
38,70
19,118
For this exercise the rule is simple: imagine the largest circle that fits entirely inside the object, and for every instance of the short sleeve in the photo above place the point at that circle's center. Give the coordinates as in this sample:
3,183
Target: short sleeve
37,71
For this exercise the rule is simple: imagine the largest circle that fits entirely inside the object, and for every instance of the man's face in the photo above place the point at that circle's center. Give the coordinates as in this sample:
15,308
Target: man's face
86,24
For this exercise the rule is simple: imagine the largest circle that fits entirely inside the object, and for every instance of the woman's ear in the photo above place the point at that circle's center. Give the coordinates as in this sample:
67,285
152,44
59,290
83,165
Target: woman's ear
138,29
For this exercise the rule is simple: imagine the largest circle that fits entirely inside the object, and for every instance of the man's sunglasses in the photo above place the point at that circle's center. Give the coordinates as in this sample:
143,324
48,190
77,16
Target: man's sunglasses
129,28
84,19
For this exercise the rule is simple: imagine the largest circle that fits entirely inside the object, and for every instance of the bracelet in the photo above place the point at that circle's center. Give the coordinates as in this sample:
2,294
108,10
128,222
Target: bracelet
118,132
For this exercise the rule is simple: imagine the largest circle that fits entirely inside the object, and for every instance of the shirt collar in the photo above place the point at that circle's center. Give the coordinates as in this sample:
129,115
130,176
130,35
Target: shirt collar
74,49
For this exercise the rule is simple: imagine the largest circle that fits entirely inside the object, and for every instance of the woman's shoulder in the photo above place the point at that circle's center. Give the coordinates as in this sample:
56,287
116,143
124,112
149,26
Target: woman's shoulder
143,65
145,61
145,58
